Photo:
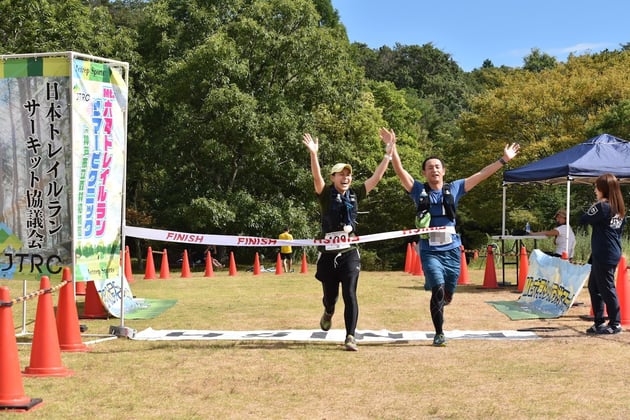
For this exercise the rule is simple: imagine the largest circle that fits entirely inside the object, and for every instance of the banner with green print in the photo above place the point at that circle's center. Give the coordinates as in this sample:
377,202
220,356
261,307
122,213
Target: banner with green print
63,140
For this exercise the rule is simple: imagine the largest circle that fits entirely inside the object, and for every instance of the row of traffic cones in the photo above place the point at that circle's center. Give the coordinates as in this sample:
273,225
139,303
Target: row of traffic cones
209,270
52,335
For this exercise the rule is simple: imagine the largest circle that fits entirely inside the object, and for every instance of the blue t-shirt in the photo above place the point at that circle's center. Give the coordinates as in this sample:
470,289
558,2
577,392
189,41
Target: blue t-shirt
438,215
606,235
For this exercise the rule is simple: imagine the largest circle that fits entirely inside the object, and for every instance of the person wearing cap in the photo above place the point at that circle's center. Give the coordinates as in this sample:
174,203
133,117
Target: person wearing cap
560,233
436,202
339,261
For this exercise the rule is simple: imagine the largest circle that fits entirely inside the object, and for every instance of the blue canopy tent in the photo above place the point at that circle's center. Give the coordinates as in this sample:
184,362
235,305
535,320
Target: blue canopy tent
581,164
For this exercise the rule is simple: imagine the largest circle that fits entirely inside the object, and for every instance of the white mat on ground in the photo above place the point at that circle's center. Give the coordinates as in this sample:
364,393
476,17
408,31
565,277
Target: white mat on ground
365,336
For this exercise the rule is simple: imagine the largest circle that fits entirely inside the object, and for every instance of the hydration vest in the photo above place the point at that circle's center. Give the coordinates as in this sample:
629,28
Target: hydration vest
448,202
342,210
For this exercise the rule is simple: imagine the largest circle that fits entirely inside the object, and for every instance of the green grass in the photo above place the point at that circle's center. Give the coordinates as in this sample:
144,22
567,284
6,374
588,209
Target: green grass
565,374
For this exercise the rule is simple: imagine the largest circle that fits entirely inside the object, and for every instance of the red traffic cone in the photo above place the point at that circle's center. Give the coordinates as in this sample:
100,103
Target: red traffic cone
185,265
93,307
279,264
45,353
256,264
523,269
475,254
304,268
79,288
164,269
233,270
490,275
12,397
565,256
463,268
149,272
408,259
128,271
68,328
623,291
209,268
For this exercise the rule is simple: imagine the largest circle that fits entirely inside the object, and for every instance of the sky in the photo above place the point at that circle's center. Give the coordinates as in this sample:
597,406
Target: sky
503,31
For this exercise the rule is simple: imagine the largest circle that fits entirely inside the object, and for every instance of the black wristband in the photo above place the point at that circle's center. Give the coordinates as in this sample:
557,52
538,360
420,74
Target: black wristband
503,162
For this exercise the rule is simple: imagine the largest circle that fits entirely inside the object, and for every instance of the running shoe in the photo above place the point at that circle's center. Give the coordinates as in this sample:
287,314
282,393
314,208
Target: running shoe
439,340
596,329
610,329
351,344
325,321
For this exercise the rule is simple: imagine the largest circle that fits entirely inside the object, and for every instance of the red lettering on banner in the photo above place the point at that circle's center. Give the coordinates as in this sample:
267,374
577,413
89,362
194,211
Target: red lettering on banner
249,240
184,237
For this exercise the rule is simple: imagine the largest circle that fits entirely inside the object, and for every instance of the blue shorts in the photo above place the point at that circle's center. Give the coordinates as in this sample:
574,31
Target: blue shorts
441,267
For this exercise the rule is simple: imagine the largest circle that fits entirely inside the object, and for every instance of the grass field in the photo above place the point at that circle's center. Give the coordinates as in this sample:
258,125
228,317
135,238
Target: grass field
565,374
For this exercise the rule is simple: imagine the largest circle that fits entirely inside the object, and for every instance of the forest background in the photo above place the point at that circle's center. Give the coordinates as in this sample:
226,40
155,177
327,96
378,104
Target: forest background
221,92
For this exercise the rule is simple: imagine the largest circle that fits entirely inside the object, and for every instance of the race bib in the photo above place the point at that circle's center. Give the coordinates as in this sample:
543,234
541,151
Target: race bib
337,240
440,238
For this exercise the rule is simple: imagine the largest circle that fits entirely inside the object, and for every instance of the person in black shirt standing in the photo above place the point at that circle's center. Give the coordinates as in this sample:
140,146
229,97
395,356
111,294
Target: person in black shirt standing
607,217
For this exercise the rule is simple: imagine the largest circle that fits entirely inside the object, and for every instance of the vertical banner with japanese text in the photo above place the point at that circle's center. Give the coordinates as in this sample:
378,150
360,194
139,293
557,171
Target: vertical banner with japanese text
63,134
99,103
36,167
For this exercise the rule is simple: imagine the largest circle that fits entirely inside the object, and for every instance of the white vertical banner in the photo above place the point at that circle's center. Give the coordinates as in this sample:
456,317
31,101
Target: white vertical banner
99,106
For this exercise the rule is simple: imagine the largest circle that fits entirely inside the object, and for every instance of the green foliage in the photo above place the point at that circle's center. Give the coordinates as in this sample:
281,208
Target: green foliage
222,91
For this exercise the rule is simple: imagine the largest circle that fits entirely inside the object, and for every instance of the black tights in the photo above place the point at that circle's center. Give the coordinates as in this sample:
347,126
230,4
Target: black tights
437,308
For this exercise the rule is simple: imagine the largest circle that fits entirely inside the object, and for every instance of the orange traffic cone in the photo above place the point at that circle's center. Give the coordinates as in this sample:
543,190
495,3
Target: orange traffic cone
416,264
256,264
79,288
304,268
164,270
149,272
279,264
408,259
209,268
93,307
68,328
565,256
128,271
475,254
185,265
490,275
12,397
623,292
45,352
463,268
232,264
523,269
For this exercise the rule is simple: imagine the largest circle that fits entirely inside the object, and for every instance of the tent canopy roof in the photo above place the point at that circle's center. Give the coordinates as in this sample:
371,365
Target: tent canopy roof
582,163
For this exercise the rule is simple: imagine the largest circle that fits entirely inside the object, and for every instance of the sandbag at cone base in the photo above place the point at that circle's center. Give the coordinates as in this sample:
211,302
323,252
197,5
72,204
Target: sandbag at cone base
45,351
68,328
12,397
